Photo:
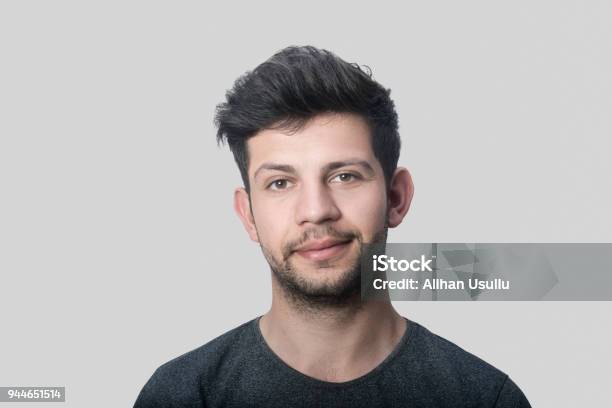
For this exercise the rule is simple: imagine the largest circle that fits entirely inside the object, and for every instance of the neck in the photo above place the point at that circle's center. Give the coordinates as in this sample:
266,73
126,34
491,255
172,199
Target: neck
335,344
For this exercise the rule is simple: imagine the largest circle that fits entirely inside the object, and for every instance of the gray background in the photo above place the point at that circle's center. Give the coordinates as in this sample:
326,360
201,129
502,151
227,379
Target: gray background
118,242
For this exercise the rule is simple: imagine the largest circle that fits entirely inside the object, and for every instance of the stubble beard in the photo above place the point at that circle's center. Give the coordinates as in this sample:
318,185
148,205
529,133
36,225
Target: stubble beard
308,296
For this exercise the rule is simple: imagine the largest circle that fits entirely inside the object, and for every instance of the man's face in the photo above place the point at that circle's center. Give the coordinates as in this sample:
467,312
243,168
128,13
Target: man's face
316,196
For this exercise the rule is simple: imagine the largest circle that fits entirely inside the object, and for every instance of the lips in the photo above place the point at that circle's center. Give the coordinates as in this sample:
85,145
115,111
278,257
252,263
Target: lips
323,249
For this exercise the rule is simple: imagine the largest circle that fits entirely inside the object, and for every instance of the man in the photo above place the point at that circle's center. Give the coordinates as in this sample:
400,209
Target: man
316,141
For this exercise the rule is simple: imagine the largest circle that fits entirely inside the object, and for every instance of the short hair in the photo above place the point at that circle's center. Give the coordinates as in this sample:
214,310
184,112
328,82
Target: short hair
295,85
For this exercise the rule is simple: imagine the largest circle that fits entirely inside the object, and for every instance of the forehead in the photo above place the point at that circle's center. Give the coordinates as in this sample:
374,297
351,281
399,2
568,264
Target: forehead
323,139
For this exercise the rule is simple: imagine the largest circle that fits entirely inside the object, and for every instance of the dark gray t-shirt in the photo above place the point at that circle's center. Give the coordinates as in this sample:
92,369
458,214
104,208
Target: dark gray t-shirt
238,369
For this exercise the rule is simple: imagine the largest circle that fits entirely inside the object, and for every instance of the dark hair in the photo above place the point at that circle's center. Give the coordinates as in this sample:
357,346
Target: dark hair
296,84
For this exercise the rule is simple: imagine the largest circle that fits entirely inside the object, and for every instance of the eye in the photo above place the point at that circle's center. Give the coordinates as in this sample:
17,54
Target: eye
280,184
345,177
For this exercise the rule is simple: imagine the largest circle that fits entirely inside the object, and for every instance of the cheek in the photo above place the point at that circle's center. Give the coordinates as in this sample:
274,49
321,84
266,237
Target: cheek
272,221
367,212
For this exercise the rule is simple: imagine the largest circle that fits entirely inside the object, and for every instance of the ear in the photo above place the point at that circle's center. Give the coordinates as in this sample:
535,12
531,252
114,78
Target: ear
242,206
400,196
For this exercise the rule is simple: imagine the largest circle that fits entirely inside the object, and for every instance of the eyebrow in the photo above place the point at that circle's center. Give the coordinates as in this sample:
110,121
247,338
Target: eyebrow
351,162
327,168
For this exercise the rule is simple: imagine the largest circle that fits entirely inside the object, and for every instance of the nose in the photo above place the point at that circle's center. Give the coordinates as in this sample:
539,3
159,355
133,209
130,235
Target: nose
315,204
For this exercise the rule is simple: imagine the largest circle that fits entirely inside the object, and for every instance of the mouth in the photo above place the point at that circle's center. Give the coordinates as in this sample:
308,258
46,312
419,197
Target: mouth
323,250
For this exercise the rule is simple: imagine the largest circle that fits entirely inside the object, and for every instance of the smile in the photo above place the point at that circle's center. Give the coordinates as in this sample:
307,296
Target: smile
323,250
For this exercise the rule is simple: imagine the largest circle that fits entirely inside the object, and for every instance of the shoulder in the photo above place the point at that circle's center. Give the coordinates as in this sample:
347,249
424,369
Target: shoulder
460,373
438,351
178,381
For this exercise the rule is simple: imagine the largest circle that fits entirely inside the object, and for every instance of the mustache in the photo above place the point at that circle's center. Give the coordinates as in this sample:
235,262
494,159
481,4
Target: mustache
316,233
